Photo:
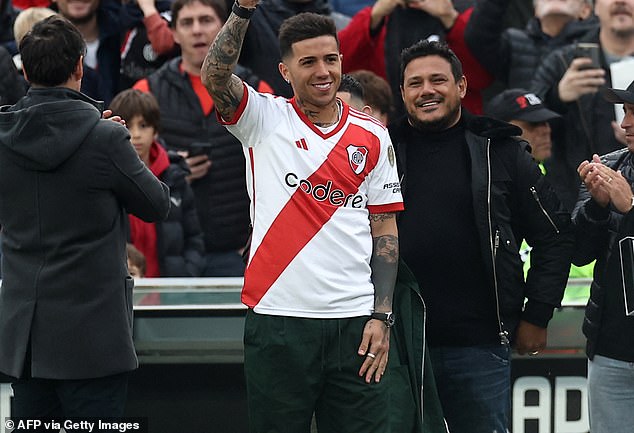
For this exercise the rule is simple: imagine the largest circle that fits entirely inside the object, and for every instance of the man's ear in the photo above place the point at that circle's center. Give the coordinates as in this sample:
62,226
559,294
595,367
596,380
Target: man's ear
462,86
368,110
78,73
284,72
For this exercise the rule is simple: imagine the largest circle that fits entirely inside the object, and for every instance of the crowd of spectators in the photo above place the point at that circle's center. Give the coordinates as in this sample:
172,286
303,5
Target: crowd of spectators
503,44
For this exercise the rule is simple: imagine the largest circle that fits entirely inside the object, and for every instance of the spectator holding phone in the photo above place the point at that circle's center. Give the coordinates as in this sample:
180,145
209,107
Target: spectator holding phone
569,87
213,155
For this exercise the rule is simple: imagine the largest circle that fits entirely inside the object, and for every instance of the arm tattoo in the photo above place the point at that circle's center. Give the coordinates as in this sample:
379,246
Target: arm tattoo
378,217
384,265
217,71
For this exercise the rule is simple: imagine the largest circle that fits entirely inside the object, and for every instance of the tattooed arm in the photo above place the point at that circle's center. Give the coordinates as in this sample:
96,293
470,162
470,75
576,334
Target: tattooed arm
375,342
216,74
384,261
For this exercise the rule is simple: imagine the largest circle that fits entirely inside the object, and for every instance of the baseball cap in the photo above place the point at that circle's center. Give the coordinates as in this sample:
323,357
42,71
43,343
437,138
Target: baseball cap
519,104
617,96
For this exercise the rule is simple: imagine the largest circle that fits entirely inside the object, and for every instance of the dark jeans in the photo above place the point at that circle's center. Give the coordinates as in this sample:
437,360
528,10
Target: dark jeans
102,397
296,367
474,387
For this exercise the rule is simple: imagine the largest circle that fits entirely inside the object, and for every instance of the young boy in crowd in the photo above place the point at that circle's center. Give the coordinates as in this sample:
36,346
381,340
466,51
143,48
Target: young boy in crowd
174,247
136,262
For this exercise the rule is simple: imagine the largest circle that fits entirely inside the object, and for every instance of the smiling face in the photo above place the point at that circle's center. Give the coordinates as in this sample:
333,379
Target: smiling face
195,29
78,11
314,70
431,94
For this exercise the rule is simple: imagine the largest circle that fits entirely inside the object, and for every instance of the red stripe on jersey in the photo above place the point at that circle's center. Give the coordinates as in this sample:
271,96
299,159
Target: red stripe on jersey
386,208
303,216
363,116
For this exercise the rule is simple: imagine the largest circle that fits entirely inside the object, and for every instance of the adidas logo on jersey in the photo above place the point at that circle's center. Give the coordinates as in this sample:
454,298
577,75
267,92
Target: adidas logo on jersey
323,192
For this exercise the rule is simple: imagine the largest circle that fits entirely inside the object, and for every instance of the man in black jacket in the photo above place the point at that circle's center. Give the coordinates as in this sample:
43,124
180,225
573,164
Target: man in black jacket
511,55
569,87
604,221
472,194
68,179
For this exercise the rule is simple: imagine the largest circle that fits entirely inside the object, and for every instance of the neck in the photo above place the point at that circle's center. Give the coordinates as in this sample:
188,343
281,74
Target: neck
190,68
321,116
552,25
618,44
88,29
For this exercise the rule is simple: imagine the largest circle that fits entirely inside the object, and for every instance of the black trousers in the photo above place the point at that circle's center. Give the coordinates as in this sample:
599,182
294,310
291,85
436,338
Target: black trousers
53,399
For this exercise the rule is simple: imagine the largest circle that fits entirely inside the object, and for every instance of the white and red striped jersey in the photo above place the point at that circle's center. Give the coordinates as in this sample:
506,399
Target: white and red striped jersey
311,195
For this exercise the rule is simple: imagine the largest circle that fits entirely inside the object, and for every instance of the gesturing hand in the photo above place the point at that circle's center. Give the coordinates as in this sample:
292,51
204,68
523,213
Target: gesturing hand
375,345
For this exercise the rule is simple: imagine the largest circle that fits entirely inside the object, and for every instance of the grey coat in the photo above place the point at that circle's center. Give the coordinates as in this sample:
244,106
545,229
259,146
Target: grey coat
68,178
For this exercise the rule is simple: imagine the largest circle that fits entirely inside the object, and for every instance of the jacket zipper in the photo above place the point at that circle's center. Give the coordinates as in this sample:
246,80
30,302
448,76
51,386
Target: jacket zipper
494,243
539,203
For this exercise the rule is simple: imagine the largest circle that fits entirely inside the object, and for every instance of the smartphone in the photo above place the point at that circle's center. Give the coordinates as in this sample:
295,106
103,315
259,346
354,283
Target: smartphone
199,148
591,51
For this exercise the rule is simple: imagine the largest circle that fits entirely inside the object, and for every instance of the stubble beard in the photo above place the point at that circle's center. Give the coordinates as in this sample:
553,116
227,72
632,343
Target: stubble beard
437,125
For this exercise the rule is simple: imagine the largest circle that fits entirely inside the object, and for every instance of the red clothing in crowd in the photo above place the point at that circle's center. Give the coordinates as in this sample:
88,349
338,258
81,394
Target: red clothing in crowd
143,234
361,50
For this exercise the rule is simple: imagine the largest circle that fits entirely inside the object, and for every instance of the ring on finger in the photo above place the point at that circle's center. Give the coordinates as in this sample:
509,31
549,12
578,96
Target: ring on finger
371,355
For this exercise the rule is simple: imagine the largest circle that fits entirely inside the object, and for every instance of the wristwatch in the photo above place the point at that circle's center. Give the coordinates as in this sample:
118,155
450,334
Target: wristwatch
387,318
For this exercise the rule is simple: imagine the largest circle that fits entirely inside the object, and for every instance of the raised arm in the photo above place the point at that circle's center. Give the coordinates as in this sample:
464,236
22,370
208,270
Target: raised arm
225,88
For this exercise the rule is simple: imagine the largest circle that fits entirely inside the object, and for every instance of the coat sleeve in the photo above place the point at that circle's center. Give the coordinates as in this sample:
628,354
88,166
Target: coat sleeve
592,223
478,78
547,228
545,83
362,49
484,37
140,192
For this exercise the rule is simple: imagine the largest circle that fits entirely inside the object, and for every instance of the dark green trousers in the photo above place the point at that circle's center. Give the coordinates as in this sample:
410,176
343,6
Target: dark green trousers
296,367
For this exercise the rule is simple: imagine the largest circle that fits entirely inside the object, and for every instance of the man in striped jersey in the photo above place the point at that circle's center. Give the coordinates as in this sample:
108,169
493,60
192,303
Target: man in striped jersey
324,191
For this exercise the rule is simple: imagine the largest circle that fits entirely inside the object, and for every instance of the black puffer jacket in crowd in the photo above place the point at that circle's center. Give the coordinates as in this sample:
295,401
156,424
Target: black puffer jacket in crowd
599,231
512,201
221,196
512,55
586,128
180,243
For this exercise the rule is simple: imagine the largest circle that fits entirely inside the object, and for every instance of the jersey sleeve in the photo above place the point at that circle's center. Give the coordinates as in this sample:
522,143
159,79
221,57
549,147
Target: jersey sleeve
254,118
384,189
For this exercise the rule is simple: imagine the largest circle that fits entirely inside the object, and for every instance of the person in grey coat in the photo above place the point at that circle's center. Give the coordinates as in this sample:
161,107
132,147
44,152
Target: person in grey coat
67,182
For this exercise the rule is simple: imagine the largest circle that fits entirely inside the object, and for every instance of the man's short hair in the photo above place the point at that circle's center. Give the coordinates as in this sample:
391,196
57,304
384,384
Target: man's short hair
131,102
27,19
300,27
217,5
351,85
51,50
426,48
376,91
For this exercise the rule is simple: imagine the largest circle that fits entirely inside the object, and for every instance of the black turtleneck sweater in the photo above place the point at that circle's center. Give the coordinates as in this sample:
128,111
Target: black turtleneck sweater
439,240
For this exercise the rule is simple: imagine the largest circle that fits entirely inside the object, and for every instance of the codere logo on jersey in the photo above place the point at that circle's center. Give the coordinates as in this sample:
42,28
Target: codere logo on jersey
322,192
357,155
